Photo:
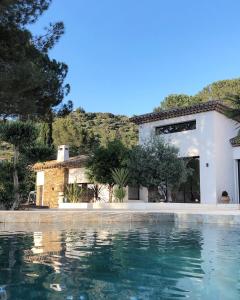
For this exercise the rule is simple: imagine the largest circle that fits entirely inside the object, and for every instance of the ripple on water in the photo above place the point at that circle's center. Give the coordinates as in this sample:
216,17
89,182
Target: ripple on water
164,261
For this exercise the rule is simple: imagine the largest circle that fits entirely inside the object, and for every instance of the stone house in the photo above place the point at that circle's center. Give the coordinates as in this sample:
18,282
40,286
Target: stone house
53,176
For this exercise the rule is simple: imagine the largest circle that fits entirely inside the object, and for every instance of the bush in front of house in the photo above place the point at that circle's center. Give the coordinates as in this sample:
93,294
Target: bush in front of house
73,193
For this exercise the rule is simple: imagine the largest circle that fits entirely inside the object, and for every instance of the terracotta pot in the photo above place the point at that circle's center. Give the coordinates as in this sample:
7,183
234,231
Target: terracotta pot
225,199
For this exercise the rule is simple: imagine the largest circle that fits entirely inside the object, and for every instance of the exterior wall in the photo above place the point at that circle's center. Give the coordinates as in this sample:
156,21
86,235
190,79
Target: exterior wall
54,182
210,141
225,173
77,175
143,194
236,157
39,188
40,178
104,194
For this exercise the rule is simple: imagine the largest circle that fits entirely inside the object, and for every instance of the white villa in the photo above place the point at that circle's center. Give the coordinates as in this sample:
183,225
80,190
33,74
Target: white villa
205,135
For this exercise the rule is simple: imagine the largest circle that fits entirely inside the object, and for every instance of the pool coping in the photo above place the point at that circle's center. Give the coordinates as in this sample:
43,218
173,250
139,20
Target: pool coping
56,216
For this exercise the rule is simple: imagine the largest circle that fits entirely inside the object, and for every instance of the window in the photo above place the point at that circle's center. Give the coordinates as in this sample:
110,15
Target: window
186,192
178,127
133,193
189,191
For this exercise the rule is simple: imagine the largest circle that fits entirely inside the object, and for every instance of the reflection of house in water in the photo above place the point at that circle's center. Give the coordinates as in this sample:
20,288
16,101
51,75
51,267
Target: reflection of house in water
47,249
80,246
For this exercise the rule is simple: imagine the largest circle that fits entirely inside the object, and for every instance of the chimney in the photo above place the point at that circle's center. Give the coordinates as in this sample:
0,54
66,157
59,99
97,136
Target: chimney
63,153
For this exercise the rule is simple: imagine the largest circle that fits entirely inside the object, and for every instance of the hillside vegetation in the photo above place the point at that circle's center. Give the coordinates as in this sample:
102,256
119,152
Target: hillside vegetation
82,131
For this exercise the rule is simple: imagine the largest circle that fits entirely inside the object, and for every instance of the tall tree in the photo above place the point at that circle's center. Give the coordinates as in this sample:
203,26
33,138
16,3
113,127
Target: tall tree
218,90
177,100
20,135
31,84
233,101
105,159
21,12
65,109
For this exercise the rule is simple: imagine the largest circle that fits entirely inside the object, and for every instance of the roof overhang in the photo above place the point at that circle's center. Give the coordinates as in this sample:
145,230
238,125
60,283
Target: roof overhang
182,111
73,162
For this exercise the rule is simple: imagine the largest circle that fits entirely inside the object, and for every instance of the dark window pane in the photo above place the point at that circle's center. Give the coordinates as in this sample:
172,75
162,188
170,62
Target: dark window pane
178,127
133,192
189,191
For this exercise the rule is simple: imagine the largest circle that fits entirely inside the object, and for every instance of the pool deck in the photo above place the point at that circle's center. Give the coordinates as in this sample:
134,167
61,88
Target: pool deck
219,215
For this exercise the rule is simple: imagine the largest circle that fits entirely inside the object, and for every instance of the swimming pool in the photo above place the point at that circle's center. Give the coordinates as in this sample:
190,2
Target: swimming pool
163,261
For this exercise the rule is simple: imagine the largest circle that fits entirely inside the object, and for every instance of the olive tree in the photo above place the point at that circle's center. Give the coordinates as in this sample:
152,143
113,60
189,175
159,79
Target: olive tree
155,164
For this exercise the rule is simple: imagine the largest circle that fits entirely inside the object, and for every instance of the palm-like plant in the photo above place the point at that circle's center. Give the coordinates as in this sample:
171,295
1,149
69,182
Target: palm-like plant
234,105
120,177
73,193
119,193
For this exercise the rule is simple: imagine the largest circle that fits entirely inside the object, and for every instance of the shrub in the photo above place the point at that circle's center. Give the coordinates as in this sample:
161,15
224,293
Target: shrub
73,193
119,193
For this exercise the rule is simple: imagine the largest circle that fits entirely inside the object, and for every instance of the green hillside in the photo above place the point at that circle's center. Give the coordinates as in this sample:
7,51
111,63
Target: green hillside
83,130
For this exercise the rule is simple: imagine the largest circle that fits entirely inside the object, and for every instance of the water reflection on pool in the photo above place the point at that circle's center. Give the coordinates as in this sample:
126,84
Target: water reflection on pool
164,261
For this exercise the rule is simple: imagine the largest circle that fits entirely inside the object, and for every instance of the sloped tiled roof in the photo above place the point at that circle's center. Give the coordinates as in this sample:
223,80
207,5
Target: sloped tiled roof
73,162
216,105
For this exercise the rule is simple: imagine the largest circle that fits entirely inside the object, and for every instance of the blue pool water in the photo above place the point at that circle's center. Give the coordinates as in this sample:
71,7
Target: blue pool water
164,261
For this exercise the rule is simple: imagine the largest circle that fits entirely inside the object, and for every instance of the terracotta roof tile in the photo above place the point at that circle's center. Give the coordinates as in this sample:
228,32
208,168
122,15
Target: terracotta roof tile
216,105
73,162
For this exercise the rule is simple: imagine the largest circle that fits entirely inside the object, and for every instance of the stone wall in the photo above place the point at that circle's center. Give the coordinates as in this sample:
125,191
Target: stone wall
54,182
27,220
39,190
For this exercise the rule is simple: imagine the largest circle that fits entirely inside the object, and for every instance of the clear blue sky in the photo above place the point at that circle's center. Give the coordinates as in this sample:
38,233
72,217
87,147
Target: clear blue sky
125,56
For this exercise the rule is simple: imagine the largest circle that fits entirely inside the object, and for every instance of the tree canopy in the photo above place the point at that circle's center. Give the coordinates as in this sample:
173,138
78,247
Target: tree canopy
177,100
155,163
31,83
104,160
22,12
22,136
219,90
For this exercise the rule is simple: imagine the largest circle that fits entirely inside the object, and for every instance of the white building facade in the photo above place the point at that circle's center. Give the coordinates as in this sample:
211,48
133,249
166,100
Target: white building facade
204,132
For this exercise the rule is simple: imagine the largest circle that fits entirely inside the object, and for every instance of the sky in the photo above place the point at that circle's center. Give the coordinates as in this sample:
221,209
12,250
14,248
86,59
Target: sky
125,56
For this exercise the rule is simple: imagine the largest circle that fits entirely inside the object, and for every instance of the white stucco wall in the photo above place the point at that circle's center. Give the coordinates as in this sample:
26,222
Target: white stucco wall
40,178
77,175
143,194
225,129
210,141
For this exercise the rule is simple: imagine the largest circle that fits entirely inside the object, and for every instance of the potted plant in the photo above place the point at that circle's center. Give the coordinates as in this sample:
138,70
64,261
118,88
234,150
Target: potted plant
225,198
